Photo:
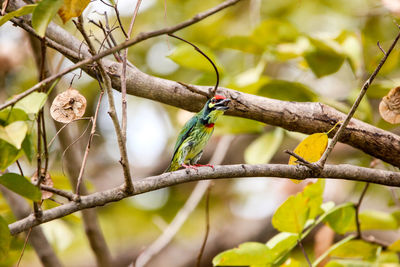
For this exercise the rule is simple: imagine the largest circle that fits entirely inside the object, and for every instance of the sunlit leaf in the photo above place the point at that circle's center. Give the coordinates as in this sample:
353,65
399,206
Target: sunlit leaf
5,239
292,215
186,56
352,48
281,244
25,10
286,51
8,154
324,58
43,14
32,103
9,115
310,149
251,75
356,249
14,133
72,8
21,186
314,192
395,246
291,263
246,44
341,219
375,220
261,150
247,254
274,31
286,90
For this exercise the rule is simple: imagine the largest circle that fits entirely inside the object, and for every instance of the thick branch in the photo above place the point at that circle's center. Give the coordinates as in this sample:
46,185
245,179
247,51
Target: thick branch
343,171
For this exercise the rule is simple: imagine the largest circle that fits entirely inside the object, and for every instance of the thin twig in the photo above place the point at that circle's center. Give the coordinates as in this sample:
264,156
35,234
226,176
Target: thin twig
301,160
23,248
112,111
320,164
92,132
357,208
123,74
139,38
20,168
213,91
203,245
62,128
304,252
68,195
380,47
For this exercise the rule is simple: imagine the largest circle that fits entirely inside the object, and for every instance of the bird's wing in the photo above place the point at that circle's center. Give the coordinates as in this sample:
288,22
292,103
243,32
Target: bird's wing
184,133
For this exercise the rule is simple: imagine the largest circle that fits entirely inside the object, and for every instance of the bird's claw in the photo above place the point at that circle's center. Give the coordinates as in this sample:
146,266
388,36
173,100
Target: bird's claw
205,165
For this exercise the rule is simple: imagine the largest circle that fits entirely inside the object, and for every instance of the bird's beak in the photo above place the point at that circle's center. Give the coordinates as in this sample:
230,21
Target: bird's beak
223,105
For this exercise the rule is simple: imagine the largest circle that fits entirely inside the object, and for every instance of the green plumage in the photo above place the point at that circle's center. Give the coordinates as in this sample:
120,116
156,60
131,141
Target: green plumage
196,133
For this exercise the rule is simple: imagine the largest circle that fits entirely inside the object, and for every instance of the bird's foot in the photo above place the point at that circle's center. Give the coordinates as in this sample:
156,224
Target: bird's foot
194,167
206,165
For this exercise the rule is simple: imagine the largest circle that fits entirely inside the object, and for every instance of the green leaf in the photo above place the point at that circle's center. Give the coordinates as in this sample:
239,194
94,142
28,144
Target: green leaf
43,14
352,48
286,51
341,219
395,246
20,185
25,10
8,154
376,220
236,125
261,150
27,147
275,31
324,57
356,249
14,133
246,44
5,239
349,263
247,254
289,91
281,244
314,192
9,115
292,215
333,247
32,103
186,56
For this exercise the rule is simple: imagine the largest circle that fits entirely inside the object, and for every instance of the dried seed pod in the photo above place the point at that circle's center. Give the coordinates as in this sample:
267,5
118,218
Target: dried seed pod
47,181
389,108
68,106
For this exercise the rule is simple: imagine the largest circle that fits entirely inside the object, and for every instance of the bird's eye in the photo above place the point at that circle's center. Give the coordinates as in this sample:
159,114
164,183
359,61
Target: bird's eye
213,100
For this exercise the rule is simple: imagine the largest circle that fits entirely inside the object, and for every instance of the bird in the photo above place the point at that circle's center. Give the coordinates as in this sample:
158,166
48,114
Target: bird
195,134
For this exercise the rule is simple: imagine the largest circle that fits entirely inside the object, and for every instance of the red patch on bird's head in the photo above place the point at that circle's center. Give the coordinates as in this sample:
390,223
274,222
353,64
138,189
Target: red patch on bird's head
219,97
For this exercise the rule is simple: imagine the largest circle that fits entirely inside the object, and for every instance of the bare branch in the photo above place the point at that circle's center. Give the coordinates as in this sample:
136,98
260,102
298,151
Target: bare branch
341,171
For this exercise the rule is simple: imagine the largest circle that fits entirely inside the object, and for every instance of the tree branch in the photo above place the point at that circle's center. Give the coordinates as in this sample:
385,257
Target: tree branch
341,171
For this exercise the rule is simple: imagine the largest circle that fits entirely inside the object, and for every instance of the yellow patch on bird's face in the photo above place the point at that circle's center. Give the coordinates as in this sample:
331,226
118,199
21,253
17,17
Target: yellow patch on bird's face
211,105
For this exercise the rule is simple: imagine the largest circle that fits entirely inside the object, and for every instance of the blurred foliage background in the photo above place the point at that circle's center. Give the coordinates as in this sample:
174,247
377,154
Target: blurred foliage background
296,50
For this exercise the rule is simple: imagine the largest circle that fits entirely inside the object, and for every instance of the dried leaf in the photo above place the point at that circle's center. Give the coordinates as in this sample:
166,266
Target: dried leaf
72,8
389,108
47,181
68,106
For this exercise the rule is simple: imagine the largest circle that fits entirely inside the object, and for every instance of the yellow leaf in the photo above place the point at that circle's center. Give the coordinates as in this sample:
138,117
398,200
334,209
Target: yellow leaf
72,8
311,149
